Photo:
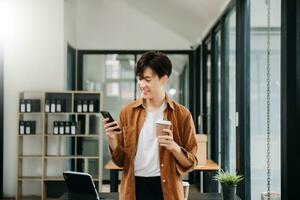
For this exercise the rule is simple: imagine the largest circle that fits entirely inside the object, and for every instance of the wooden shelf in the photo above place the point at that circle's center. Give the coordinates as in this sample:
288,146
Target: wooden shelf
72,113
78,135
32,197
47,141
58,113
53,178
31,113
87,113
30,178
70,157
86,92
60,178
30,156
31,135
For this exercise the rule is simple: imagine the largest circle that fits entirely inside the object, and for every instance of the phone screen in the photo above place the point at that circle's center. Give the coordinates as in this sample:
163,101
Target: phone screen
106,114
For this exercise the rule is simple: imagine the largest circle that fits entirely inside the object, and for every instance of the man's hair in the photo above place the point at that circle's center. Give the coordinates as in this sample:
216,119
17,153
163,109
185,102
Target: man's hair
157,61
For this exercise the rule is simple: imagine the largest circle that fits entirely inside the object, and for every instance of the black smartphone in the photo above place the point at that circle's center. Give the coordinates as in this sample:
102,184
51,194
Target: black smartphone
106,114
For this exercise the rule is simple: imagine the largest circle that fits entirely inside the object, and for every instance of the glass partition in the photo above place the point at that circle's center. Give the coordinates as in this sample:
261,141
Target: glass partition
207,96
216,130
177,87
114,76
230,118
258,96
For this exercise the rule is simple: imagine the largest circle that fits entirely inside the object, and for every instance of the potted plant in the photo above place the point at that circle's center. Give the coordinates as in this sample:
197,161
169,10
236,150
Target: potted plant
229,183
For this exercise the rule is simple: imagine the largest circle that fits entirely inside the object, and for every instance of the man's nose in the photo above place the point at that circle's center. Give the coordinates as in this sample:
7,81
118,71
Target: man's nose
142,83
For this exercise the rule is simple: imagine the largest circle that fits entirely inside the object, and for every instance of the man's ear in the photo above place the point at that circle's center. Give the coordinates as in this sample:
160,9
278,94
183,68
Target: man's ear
165,79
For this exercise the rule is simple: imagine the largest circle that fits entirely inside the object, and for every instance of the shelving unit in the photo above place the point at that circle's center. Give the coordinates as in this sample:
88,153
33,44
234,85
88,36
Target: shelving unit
43,156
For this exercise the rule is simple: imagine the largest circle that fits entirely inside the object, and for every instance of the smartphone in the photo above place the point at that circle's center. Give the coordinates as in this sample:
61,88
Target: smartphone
106,114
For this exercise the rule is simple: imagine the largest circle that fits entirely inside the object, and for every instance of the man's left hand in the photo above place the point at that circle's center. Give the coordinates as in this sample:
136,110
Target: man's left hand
168,141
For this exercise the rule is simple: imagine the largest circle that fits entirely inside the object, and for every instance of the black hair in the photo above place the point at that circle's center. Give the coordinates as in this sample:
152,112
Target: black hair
157,61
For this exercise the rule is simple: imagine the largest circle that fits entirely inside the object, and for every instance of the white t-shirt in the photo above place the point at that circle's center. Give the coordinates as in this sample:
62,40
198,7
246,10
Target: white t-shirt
147,157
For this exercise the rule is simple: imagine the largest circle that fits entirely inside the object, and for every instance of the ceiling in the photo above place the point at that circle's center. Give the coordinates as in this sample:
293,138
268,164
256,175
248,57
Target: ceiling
190,19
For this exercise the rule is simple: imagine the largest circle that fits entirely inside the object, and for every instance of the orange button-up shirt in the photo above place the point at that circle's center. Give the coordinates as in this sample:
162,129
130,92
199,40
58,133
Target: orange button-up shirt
132,119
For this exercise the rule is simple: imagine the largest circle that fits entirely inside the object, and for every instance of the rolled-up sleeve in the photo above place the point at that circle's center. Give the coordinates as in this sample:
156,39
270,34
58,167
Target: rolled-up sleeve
118,154
189,145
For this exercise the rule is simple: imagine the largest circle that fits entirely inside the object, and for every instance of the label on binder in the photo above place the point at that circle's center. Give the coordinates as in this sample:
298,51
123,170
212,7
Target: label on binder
67,129
91,108
52,107
58,108
47,108
73,130
23,108
55,131
27,129
85,108
28,107
22,129
61,130
79,108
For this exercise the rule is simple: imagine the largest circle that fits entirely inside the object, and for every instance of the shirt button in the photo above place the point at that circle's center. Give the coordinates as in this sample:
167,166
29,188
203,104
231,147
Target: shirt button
162,165
164,180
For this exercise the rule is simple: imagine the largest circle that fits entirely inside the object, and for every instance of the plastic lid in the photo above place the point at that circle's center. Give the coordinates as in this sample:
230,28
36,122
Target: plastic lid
165,122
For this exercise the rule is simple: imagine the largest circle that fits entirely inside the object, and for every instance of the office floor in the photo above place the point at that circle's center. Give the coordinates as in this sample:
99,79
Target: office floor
105,188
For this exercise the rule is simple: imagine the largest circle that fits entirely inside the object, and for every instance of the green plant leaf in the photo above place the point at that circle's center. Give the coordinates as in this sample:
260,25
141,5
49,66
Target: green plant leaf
227,178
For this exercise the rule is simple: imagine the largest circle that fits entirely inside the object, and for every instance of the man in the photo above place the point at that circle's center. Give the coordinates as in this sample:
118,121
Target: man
152,166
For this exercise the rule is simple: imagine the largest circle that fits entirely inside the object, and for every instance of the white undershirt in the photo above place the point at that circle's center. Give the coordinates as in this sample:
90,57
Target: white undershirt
147,157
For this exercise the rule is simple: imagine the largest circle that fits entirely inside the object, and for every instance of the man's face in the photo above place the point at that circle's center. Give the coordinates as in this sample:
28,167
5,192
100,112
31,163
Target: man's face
150,84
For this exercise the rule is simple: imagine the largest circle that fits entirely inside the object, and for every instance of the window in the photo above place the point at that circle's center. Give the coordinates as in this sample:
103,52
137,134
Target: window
207,93
231,110
216,98
114,76
258,123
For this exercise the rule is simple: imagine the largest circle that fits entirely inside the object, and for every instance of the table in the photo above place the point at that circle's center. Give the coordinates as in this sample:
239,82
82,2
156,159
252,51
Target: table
114,175
192,196
210,166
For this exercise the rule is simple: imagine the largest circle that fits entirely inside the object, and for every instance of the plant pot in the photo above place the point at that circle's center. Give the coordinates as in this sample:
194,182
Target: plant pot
228,191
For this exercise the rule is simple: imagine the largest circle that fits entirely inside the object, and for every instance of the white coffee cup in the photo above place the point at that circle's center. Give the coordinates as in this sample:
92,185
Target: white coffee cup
186,187
160,125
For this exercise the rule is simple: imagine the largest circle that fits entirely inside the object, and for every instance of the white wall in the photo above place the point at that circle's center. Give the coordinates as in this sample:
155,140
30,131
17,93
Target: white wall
110,24
70,9
36,34
33,60
70,30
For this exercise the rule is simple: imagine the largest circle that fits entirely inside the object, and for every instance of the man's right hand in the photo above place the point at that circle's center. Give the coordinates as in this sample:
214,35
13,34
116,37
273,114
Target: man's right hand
112,129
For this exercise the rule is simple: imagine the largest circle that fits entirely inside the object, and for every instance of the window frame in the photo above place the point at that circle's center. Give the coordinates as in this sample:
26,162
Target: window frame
290,96
242,90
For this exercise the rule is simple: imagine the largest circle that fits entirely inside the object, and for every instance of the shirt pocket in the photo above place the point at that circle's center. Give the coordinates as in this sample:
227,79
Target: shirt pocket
129,136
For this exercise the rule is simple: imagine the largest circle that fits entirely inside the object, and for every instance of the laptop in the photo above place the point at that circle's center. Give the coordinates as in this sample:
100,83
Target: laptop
80,186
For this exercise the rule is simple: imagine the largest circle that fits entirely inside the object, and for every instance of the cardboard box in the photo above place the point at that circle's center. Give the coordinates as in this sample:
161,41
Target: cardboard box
202,149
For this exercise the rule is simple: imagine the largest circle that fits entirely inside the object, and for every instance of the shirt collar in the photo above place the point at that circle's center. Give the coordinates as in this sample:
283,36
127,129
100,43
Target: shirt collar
140,102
